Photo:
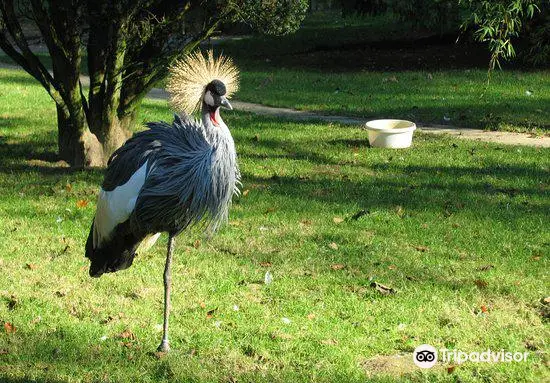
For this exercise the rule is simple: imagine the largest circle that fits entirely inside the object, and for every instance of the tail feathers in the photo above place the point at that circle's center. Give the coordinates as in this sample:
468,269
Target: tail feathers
116,254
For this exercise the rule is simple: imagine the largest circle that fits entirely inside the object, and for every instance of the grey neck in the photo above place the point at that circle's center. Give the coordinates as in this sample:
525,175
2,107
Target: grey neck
214,132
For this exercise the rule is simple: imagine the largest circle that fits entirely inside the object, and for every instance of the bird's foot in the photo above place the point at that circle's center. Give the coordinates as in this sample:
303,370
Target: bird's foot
164,346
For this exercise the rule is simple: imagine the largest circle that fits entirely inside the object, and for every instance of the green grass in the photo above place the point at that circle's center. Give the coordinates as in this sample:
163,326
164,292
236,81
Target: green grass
377,68
330,66
436,97
438,215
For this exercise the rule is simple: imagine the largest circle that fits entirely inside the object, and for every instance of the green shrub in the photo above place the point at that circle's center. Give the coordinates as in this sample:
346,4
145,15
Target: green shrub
271,17
538,39
434,15
498,22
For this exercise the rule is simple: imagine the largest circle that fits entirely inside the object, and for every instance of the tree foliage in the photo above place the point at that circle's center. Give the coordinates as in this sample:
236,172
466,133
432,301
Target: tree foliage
498,22
272,17
437,15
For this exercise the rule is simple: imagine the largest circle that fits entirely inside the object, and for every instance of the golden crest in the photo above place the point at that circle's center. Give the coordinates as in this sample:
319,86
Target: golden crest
189,76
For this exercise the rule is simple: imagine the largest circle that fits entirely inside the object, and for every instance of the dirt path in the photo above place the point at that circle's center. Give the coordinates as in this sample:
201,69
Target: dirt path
506,138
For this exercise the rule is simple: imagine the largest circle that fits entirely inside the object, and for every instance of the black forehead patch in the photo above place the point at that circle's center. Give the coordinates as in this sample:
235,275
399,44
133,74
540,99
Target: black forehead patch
217,87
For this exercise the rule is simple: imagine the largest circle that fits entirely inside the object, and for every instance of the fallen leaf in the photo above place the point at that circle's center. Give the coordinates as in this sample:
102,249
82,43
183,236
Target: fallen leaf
202,305
450,369
210,313
30,266
269,210
333,246
337,266
82,203
392,267
9,328
197,244
480,283
311,316
245,192
422,249
536,258
68,188
107,320
3,351
359,214
329,342
337,220
390,79
484,309
159,354
385,290
12,302
486,267
126,334
306,222
265,264
36,320
546,300
400,211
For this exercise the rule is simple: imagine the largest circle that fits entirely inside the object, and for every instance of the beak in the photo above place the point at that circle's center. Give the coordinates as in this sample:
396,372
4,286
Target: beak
225,103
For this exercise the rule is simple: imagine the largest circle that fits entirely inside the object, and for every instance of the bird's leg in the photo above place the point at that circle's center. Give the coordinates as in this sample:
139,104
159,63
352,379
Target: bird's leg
164,345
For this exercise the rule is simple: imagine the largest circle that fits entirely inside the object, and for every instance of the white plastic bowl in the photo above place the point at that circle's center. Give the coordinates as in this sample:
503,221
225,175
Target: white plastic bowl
395,134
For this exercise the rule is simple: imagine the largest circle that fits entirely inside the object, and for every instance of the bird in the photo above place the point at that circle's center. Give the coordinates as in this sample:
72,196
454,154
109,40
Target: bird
170,177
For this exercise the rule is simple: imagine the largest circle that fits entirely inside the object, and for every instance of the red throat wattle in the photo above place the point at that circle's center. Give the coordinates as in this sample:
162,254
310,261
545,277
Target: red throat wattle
213,116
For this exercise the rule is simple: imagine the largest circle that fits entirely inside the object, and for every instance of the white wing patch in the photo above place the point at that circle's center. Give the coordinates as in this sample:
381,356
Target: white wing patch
114,207
147,243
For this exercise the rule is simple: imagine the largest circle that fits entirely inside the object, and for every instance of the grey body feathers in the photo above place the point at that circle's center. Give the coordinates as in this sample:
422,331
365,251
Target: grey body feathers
191,176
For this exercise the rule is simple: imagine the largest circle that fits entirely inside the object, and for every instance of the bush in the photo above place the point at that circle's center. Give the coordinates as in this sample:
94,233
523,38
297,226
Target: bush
537,37
434,15
499,22
272,17
363,7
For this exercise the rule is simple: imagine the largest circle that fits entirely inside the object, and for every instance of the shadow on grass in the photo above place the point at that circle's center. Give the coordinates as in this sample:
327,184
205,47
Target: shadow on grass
19,77
68,356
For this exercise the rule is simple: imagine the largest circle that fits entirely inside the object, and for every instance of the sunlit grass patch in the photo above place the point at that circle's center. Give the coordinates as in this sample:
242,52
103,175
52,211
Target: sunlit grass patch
454,228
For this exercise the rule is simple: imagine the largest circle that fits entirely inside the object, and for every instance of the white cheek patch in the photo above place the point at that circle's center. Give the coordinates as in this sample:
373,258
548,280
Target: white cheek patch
208,98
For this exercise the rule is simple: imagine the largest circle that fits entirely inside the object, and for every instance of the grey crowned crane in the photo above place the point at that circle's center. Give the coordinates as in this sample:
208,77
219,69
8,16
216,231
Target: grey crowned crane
170,176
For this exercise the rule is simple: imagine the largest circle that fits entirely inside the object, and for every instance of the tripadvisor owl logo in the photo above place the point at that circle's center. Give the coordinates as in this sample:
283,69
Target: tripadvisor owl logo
425,356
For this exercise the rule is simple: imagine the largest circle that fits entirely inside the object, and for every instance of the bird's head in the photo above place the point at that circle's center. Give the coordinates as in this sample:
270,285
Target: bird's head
214,98
203,83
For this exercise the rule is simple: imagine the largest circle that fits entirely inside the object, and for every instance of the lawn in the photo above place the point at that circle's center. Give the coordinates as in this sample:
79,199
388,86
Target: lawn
380,67
455,228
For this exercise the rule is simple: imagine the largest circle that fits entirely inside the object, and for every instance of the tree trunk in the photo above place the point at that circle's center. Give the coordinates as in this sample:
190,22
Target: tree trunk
77,145
111,131
129,49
